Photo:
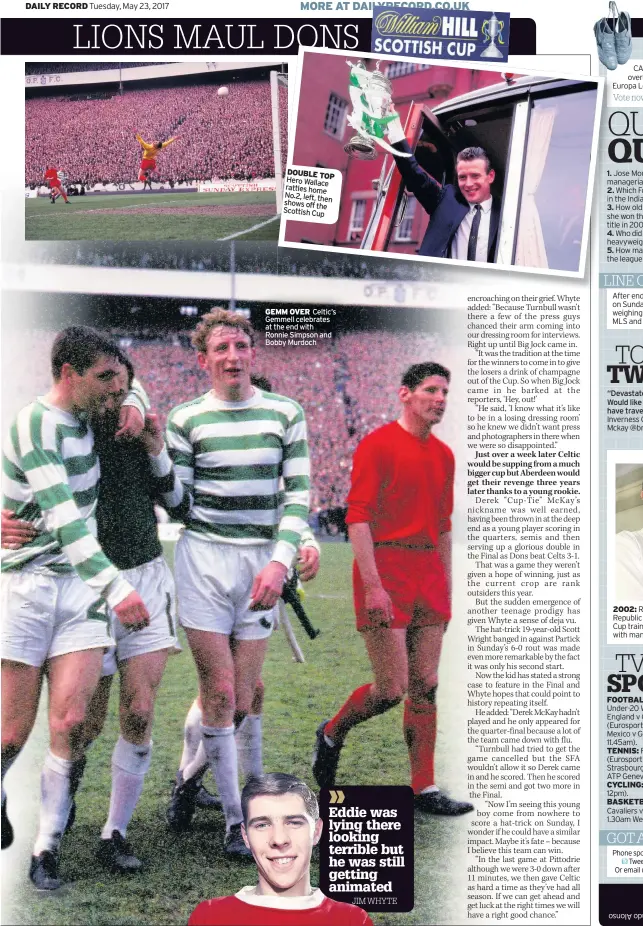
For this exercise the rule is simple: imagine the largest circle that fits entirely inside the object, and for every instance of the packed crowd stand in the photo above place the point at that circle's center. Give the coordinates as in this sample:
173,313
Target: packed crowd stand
335,383
93,140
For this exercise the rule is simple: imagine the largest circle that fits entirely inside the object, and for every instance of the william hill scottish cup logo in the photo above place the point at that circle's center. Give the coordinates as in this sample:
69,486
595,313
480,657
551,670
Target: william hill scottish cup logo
469,36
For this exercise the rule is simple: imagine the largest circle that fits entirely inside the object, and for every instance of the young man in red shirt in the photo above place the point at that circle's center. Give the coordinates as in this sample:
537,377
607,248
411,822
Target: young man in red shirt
55,185
280,826
399,522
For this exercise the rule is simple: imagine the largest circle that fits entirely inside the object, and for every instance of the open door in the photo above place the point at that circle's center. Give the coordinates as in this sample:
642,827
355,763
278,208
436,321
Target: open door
435,139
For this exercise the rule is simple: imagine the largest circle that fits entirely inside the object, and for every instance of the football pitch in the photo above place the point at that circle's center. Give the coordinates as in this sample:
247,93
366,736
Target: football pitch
153,216
182,870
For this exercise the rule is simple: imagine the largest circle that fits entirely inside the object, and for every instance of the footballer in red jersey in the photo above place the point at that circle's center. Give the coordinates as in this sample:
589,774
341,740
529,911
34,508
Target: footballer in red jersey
55,184
399,523
280,826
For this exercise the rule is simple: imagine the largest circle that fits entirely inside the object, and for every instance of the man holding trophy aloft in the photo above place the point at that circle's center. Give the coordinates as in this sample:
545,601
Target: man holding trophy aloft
464,217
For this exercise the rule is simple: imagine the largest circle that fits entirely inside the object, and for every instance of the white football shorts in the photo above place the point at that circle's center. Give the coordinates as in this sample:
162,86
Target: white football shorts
213,583
45,616
154,583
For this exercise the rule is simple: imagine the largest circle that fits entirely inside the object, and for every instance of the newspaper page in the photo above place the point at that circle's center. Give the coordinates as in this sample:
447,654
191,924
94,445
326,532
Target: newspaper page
314,488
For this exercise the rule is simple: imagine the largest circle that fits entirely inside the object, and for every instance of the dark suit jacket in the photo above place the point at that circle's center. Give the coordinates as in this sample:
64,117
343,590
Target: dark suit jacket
446,205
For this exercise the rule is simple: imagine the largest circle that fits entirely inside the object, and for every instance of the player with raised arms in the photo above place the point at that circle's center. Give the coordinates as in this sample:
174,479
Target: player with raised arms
150,151
399,522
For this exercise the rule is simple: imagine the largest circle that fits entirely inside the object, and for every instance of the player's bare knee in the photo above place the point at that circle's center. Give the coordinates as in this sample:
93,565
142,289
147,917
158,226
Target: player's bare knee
220,701
243,703
391,691
137,720
69,723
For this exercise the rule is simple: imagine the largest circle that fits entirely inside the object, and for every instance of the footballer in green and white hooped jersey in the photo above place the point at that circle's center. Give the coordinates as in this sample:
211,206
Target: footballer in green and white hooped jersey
230,447
56,589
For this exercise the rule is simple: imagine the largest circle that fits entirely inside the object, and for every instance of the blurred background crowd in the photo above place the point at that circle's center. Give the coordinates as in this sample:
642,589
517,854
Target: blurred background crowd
91,136
334,382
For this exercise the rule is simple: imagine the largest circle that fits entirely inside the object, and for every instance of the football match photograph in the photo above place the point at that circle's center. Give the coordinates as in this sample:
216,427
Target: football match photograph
131,151
227,581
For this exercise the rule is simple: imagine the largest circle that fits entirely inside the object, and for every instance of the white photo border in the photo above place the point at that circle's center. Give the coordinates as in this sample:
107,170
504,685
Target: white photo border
296,76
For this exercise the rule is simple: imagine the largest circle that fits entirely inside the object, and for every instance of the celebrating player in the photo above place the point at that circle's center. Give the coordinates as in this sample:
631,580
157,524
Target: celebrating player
130,483
280,827
148,162
54,180
56,589
230,447
399,517
249,734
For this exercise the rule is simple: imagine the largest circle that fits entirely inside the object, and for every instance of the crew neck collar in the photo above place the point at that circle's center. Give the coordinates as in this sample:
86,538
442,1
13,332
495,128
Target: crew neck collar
307,902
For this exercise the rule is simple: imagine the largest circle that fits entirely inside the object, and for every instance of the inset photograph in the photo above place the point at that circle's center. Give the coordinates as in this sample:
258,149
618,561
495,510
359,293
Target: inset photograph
132,151
385,347
447,163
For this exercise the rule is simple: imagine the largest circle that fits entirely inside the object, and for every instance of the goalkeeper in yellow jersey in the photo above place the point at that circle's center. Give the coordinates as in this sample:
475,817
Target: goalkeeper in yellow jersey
148,161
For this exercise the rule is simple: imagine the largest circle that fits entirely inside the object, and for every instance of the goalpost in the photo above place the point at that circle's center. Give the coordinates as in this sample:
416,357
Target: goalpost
278,79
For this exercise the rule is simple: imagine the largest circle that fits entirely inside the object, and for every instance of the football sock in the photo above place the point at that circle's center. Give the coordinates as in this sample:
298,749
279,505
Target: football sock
420,729
55,802
198,766
77,772
129,766
358,707
191,736
221,750
249,738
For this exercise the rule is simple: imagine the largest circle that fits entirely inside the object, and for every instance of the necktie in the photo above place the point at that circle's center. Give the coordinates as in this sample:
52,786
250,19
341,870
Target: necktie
473,234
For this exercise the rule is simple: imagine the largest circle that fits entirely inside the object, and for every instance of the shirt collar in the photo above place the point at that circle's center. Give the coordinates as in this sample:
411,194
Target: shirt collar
223,405
486,205
310,901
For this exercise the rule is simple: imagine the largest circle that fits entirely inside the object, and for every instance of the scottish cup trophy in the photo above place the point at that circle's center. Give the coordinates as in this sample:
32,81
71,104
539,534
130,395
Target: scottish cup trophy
492,30
370,93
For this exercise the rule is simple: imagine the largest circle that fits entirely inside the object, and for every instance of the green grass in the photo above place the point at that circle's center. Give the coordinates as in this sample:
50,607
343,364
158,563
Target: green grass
184,870
86,217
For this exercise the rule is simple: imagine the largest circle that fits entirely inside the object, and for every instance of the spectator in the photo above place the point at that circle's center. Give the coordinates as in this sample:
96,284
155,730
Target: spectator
321,378
225,138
